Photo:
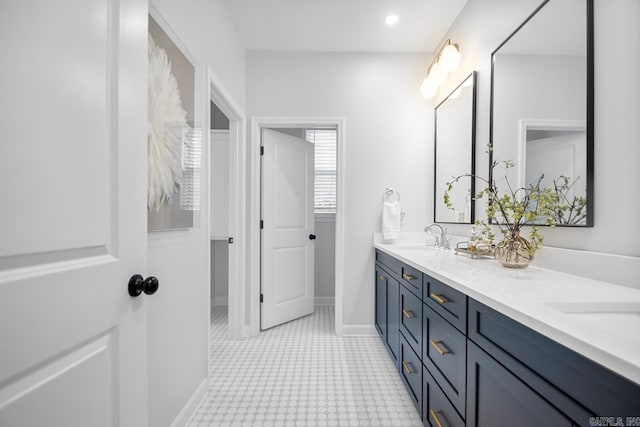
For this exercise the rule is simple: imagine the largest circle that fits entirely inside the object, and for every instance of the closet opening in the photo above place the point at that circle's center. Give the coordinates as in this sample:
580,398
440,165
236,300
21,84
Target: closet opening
219,150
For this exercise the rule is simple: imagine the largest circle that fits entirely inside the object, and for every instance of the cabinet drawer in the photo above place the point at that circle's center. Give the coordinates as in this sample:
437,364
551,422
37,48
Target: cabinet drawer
411,319
412,278
449,303
411,373
436,409
388,261
444,351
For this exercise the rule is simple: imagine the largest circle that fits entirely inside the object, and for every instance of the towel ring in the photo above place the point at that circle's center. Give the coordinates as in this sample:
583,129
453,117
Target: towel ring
389,192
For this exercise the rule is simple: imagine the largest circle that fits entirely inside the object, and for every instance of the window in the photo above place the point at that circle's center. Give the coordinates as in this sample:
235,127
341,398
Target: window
324,141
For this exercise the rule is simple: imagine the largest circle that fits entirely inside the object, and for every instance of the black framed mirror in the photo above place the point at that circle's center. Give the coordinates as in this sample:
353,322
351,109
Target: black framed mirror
454,153
542,106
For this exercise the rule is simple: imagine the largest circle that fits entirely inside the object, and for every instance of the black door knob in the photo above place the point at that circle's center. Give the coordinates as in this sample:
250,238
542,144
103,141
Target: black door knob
312,237
138,285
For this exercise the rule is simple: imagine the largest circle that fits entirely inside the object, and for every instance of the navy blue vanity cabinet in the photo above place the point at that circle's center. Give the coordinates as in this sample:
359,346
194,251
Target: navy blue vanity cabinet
465,364
387,315
538,373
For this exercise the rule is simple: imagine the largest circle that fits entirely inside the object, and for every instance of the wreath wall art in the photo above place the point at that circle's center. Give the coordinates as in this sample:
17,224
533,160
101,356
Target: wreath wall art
166,127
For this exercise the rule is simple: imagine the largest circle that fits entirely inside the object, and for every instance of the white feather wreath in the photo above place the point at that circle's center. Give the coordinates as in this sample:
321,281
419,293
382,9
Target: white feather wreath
167,121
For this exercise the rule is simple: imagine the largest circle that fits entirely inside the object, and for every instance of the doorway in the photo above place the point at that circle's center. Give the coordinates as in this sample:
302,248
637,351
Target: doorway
226,229
219,145
294,125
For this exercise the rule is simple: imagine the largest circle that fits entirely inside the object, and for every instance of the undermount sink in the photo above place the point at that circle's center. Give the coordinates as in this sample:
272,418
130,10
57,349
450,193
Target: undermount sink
623,315
415,247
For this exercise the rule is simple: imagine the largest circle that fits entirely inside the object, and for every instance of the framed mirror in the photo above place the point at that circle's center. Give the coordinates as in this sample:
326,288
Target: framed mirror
455,135
542,106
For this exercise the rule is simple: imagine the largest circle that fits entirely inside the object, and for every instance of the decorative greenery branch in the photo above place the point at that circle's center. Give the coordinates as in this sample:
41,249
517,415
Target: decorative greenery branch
570,210
530,205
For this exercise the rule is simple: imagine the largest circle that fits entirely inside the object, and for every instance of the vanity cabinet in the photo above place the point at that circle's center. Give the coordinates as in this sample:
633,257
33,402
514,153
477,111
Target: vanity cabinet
387,315
517,357
465,364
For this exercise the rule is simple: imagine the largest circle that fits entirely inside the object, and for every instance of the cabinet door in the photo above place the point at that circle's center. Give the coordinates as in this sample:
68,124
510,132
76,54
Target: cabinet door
411,319
497,398
381,302
393,316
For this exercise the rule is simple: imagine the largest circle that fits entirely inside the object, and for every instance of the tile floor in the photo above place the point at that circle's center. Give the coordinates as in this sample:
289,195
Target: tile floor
301,374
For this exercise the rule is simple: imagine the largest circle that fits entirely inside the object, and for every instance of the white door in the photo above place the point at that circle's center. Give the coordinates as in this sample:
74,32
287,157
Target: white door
73,214
288,225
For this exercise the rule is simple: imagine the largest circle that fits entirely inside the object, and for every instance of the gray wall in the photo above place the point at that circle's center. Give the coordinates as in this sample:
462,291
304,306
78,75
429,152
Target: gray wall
217,119
219,272
325,259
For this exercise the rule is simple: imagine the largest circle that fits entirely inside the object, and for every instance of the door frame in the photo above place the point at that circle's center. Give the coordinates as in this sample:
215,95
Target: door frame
220,96
257,123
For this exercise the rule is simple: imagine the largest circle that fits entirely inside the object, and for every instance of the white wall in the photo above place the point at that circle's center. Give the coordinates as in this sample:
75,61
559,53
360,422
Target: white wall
205,26
178,334
479,29
387,125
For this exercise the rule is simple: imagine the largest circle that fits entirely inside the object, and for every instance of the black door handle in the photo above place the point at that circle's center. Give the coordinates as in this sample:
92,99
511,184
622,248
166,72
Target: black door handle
138,285
312,237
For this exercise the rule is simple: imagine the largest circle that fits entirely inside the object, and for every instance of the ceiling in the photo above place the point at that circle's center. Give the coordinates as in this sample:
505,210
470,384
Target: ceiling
342,25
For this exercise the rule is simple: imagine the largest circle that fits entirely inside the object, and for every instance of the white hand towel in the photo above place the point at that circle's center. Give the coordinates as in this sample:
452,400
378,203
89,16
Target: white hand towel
390,220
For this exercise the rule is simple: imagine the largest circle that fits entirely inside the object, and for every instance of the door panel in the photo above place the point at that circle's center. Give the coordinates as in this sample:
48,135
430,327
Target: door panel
287,213
73,223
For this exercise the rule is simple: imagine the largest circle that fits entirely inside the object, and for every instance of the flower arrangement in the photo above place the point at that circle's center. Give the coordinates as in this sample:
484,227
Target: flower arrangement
515,208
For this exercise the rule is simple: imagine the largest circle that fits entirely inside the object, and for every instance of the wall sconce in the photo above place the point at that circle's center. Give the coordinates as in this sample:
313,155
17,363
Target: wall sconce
447,60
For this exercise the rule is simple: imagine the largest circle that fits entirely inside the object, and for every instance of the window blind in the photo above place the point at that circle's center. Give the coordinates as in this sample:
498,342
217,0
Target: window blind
325,141
191,169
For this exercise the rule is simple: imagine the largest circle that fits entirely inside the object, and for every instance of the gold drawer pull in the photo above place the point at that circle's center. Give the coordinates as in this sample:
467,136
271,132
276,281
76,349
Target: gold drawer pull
439,298
434,415
382,278
436,345
408,277
408,313
407,368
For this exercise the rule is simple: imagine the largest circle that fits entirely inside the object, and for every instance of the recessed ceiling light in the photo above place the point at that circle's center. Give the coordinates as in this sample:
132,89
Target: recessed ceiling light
391,19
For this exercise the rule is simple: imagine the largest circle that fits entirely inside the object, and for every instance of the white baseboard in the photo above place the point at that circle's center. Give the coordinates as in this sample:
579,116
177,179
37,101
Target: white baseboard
220,301
189,409
359,331
325,301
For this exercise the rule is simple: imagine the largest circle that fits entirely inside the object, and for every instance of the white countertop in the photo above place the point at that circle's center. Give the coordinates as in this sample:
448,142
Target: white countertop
599,320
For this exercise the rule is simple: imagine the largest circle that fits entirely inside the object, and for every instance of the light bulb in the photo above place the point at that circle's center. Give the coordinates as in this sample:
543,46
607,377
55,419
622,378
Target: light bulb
391,19
450,58
428,89
437,74
456,93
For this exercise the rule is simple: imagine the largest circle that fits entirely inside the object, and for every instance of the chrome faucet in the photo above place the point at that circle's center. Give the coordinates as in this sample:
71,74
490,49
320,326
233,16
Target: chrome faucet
443,242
